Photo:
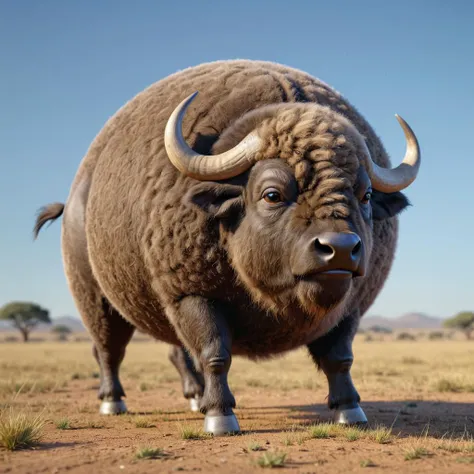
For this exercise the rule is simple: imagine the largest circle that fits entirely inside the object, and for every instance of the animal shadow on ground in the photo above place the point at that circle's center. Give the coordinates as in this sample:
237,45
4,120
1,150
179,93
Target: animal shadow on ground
56,445
406,417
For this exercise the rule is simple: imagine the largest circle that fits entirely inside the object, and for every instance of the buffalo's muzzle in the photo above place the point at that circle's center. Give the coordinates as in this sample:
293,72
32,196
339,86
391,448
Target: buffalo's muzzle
338,251
332,255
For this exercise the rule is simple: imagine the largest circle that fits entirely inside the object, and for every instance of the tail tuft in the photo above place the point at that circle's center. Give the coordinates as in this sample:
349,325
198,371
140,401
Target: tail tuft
45,214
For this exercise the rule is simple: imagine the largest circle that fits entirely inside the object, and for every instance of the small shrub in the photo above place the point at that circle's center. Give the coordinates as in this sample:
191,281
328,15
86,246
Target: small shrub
435,335
406,336
367,463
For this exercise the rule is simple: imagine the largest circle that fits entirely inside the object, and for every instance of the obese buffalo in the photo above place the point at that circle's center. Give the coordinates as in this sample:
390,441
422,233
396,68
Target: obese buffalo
233,208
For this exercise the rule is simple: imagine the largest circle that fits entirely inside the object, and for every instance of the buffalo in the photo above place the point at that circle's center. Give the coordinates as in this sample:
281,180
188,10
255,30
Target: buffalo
233,208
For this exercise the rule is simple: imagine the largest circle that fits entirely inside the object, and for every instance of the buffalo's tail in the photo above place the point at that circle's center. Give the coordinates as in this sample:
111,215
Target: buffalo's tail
45,214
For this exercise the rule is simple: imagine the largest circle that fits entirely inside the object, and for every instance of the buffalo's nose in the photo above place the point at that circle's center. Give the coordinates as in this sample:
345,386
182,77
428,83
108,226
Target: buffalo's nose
340,249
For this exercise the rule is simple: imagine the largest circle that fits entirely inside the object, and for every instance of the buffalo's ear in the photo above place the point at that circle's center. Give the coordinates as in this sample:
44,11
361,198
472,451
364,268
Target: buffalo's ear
385,205
220,201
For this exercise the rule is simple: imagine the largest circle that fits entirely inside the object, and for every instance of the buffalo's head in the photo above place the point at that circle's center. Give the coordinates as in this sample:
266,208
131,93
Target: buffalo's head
299,201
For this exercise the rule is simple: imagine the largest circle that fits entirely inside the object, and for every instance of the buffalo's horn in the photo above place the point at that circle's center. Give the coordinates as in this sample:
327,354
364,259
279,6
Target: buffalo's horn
392,180
206,167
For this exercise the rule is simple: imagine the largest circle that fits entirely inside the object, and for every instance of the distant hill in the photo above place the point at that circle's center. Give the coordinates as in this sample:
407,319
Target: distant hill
74,323
406,321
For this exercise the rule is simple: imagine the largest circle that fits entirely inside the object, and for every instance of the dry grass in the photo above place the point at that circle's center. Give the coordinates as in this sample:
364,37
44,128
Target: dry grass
272,459
417,452
189,432
381,435
19,430
42,377
48,368
142,422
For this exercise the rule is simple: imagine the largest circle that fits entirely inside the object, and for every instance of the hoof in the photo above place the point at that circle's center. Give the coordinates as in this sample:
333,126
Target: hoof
194,404
350,416
220,425
110,407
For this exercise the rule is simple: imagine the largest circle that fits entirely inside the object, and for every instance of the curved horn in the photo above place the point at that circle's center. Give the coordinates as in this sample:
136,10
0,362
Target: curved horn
392,180
206,167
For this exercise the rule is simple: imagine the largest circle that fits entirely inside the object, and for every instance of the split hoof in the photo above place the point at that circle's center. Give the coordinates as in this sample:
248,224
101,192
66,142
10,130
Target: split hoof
194,404
111,407
350,416
220,425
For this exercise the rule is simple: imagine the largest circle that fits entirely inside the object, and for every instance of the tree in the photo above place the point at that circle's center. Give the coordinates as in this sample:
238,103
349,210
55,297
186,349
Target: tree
24,316
62,331
380,329
464,321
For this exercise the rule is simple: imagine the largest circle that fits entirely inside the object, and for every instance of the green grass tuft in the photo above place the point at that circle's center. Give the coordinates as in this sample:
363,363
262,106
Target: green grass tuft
188,432
63,424
149,453
323,430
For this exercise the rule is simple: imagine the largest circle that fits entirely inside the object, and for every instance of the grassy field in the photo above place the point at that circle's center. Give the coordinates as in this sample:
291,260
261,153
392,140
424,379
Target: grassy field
418,395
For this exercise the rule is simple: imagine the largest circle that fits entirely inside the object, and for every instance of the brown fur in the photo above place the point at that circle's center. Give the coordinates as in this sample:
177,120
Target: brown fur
139,234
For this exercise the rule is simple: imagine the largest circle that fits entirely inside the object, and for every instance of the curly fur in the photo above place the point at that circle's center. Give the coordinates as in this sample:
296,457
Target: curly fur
131,236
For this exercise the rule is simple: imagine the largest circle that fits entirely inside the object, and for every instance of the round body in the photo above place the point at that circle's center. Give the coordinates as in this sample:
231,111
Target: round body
148,247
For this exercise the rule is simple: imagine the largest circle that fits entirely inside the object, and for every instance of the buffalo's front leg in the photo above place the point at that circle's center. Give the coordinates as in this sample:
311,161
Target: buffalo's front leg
333,355
201,326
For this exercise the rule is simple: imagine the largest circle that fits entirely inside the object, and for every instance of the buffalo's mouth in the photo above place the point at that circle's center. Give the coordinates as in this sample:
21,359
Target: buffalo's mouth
332,274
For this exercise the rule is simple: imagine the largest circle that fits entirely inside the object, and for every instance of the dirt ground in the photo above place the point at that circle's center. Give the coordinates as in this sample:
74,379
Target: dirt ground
423,391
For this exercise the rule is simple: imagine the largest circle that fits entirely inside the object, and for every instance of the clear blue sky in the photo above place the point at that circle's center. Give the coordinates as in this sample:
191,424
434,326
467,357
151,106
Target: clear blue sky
66,67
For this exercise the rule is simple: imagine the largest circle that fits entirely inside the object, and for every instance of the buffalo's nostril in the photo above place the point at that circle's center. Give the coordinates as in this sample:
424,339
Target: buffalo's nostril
322,248
356,250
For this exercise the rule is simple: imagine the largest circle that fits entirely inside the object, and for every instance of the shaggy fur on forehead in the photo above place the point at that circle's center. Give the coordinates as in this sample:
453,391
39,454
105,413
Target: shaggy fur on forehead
321,146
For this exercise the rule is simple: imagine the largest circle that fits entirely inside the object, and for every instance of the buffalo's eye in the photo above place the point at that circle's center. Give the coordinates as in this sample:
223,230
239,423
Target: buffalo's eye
366,197
272,196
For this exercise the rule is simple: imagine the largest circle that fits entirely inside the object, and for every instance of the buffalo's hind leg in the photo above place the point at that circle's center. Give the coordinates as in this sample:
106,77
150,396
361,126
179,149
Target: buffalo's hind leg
111,334
333,355
201,325
191,377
